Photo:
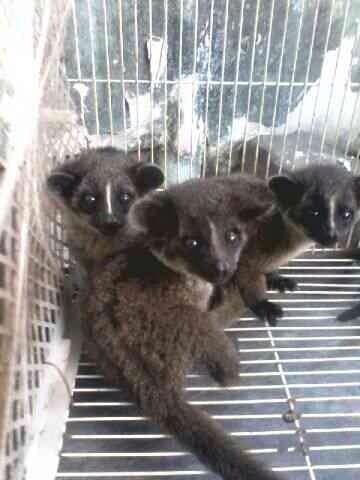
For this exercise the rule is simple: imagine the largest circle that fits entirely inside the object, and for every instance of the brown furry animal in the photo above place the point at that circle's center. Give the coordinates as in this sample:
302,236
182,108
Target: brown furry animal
94,192
316,204
148,309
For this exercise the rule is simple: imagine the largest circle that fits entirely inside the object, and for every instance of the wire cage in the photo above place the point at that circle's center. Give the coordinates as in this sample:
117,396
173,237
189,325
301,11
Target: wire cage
217,85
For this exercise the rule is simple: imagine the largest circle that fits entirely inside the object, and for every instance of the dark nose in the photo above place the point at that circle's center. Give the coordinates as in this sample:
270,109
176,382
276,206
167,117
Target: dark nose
223,270
330,239
110,225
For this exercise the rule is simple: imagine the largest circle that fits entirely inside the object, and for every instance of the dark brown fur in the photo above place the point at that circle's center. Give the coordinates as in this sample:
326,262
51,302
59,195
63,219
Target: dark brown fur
90,233
148,310
304,217
349,314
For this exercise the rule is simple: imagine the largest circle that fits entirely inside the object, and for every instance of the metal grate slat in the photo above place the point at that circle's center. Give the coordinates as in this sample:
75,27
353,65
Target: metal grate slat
308,359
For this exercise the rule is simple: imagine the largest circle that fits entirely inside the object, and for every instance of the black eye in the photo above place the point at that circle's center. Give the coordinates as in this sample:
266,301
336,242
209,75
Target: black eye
124,197
314,212
347,214
88,202
191,243
231,236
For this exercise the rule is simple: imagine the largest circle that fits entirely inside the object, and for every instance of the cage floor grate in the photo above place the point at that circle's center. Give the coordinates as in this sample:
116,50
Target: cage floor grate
309,358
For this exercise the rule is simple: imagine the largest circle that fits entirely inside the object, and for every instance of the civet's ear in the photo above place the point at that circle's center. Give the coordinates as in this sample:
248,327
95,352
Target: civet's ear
64,179
155,215
255,212
253,215
146,176
287,191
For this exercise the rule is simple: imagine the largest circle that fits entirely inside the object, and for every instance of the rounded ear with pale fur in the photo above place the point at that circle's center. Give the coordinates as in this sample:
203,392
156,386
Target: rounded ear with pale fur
254,215
146,176
65,178
287,191
155,215
256,211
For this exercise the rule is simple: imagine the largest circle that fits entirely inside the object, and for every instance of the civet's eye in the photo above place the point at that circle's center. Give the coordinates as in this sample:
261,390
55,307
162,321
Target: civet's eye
314,212
191,243
88,202
231,236
124,197
347,214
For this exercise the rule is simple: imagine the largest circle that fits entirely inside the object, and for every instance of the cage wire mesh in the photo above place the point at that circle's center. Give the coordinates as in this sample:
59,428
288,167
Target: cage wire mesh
218,85
202,78
37,129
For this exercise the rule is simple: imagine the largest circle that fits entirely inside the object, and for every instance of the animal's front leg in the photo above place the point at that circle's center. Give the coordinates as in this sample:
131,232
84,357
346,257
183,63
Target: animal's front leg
218,353
275,281
349,314
252,288
231,307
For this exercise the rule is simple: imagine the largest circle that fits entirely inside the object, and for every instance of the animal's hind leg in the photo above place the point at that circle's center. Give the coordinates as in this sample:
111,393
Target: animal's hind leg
219,354
274,281
253,292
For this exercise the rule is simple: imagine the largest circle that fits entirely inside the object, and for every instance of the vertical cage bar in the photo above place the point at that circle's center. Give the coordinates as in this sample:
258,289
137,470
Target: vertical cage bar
267,56
108,71
179,90
341,111
223,60
93,68
193,82
77,56
346,91
301,109
277,88
347,7
18,340
241,22
137,77
315,110
352,122
208,87
250,83
121,42
24,308
151,85
281,371
292,81
165,88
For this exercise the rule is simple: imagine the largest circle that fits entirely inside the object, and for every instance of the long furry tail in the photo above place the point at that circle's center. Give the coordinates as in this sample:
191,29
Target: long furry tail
197,432
194,429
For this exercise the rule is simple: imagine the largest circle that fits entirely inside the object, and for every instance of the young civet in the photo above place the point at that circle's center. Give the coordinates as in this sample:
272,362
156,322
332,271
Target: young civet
317,204
94,190
147,308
